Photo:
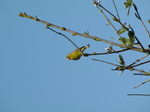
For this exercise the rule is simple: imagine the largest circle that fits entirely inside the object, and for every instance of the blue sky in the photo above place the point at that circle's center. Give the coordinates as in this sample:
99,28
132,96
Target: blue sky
36,77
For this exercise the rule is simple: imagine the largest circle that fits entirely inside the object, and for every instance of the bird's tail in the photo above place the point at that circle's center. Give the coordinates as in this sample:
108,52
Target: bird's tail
84,47
87,46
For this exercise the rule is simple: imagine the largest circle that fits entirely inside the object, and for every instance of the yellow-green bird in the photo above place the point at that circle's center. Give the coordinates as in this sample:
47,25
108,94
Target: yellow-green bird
76,54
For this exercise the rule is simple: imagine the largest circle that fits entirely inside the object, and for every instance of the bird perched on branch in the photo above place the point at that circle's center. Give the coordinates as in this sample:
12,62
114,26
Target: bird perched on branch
76,54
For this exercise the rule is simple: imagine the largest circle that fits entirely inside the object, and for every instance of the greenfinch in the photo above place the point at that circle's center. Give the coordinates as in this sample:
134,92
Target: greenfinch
76,54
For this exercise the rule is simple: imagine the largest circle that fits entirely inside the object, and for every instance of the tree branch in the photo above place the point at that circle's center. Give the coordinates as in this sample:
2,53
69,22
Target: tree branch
138,94
139,17
121,68
80,34
116,10
138,60
66,38
107,52
142,83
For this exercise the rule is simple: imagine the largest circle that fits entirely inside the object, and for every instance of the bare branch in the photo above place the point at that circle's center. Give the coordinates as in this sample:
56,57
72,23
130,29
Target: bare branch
80,34
145,74
139,17
138,94
107,52
113,16
142,83
106,62
116,10
66,38
141,63
139,60
109,22
122,68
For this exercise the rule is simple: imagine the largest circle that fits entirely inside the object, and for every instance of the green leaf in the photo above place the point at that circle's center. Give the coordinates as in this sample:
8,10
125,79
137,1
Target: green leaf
127,5
123,40
129,1
131,39
121,60
131,36
122,30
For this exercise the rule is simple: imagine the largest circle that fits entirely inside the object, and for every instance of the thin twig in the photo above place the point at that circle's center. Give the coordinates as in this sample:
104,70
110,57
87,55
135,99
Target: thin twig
123,68
107,11
116,9
141,63
137,70
142,83
66,38
113,17
106,62
138,94
145,27
138,60
139,17
140,43
109,22
145,74
107,52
